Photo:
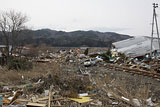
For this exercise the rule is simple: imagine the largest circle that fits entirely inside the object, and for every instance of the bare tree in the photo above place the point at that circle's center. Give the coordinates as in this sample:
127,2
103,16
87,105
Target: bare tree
11,23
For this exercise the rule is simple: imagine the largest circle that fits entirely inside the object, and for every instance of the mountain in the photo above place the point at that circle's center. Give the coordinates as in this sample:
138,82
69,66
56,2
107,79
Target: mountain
70,39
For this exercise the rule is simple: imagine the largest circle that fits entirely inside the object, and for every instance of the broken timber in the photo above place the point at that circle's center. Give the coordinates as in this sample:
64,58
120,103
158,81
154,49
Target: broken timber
135,71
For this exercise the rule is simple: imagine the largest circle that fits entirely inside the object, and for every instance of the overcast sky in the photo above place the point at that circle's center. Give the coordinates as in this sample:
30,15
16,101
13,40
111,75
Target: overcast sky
131,17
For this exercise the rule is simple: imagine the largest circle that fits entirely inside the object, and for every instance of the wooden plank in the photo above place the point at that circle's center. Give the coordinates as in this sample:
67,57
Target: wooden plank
58,103
16,96
41,99
49,97
42,102
6,93
23,100
56,106
35,105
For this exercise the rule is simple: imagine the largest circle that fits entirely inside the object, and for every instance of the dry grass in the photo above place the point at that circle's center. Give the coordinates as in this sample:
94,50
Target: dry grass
119,88
39,70
6,75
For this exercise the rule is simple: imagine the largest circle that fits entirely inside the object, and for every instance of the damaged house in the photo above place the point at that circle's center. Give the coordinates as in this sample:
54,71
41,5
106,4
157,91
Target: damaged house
136,46
3,53
3,50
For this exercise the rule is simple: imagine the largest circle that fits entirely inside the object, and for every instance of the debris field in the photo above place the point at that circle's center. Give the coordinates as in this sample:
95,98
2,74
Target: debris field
69,78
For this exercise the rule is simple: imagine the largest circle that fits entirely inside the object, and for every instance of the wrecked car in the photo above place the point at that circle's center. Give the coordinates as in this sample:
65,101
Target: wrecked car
89,62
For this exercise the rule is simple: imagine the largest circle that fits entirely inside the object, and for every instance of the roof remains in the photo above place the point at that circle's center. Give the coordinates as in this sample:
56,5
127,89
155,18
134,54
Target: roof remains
136,46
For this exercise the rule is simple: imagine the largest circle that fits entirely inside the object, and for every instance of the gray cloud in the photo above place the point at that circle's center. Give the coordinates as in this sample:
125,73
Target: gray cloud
121,16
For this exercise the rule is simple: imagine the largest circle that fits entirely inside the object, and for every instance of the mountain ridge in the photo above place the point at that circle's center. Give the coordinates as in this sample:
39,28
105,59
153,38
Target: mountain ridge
70,39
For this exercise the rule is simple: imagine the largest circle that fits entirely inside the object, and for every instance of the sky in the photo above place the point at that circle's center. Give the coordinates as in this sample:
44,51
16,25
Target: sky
132,17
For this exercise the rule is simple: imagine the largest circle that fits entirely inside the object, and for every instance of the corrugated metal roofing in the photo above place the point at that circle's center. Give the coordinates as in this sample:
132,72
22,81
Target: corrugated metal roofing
129,42
136,46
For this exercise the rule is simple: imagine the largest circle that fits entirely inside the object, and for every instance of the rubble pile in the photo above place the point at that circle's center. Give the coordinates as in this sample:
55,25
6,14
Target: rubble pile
81,80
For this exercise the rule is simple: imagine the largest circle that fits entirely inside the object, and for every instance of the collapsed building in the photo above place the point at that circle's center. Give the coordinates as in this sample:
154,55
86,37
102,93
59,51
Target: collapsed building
136,46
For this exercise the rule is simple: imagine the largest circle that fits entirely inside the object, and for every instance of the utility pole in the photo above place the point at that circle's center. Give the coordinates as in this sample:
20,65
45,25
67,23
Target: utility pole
154,21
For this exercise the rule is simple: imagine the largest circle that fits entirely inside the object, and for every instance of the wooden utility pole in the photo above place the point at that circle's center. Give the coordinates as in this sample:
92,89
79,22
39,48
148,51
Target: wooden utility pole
154,21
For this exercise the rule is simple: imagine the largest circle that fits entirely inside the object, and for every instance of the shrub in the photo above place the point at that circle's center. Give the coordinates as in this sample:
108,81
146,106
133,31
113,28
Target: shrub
86,52
109,52
19,64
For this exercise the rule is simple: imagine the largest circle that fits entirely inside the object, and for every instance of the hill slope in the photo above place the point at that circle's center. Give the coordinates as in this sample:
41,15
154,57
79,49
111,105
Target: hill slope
70,39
